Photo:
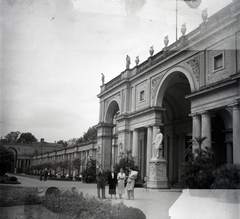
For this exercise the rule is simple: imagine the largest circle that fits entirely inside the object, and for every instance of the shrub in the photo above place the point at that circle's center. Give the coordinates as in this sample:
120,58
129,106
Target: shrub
133,213
197,172
76,205
8,180
6,158
52,190
11,197
12,178
227,176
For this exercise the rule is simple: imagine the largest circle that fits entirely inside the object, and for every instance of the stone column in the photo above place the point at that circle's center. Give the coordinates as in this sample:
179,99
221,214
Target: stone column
104,142
135,143
149,146
236,134
196,128
206,129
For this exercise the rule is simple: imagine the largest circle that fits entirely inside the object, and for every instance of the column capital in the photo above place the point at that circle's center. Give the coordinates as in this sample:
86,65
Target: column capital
196,114
234,105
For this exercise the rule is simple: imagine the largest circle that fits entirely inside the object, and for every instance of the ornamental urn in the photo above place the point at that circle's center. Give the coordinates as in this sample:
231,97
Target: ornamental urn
151,50
183,29
166,41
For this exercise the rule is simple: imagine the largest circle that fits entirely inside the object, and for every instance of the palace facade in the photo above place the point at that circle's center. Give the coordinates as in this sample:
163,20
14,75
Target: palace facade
190,89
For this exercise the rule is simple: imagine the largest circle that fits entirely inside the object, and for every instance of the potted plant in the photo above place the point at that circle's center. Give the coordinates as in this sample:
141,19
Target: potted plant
197,171
227,180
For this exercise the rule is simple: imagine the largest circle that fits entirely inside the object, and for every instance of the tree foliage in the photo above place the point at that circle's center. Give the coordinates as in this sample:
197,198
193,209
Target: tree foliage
90,135
64,143
27,138
6,158
89,174
127,161
197,172
77,163
12,136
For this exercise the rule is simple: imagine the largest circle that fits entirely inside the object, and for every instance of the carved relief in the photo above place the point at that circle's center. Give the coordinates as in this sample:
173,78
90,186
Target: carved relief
152,170
194,63
155,83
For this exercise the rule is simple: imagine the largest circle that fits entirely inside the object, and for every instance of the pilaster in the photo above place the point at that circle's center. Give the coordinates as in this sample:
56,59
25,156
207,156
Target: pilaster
149,147
236,133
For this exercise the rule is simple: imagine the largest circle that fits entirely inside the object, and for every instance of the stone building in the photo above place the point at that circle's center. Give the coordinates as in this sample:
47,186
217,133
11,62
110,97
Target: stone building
190,89
84,151
24,153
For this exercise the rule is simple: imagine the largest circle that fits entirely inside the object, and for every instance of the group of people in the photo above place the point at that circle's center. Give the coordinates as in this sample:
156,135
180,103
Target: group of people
116,183
43,174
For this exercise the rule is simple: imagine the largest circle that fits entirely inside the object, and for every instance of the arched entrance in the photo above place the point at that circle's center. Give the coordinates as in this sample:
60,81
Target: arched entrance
107,138
177,125
221,125
14,163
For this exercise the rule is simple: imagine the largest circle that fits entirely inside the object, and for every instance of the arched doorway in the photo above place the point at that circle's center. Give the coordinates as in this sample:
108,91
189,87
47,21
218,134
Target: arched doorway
221,125
107,138
13,167
177,125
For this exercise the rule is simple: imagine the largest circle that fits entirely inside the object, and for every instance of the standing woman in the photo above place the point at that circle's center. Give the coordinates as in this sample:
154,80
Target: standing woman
130,183
121,181
112,181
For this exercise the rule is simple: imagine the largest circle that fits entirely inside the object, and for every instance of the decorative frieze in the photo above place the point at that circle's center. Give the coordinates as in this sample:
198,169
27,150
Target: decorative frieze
194,63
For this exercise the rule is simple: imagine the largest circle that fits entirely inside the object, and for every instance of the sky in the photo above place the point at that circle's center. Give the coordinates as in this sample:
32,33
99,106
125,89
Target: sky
54,51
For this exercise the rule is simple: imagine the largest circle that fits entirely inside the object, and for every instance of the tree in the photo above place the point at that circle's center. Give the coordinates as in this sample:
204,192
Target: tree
89,174
6,158
132,6
27,138
64,143
127,161
91,134
66,165
71,142
77,163
12,136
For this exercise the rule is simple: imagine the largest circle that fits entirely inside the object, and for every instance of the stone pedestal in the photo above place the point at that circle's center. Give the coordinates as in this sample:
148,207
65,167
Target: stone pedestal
158,174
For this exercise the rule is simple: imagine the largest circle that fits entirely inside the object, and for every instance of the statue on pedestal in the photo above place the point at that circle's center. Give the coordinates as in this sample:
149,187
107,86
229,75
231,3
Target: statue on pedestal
103,79
128,62
157,144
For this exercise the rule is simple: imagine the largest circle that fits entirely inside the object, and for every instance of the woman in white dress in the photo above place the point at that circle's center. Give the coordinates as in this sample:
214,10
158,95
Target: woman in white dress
121,181
130,183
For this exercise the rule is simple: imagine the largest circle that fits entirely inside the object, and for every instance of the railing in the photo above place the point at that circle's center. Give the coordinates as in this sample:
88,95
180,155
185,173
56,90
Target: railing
114,81
219,17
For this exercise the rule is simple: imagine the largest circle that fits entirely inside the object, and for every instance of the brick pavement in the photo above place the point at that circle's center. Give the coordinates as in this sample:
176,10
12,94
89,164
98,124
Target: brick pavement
154,202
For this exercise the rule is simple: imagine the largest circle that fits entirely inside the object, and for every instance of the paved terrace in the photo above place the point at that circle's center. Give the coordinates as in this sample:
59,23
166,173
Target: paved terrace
155,203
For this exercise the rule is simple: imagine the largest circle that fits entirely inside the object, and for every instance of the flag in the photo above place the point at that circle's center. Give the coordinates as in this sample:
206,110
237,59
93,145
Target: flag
193,3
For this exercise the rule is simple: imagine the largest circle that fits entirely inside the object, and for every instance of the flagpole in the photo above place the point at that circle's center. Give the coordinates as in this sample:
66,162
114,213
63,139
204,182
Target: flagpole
176,19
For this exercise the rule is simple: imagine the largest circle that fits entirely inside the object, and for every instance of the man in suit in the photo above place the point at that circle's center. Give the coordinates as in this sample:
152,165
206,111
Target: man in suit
100,182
